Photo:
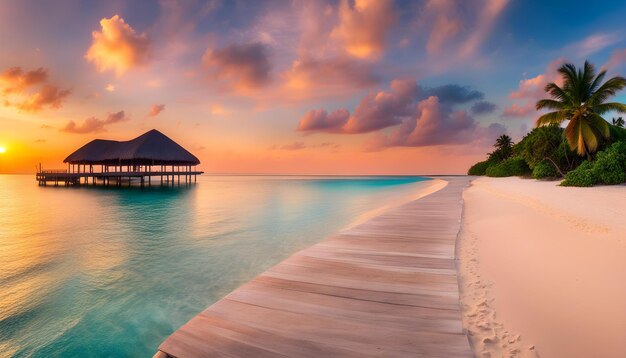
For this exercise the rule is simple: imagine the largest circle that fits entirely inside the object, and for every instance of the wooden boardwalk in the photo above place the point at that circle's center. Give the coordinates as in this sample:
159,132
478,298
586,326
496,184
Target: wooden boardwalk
385,288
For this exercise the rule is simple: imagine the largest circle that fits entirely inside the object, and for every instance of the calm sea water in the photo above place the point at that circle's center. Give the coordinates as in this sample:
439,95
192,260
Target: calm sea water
112,272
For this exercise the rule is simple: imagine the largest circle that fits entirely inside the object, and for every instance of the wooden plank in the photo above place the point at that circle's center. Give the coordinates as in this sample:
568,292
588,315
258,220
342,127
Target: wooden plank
385,288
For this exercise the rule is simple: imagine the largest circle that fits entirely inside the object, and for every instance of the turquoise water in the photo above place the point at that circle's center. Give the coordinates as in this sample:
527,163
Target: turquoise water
112,272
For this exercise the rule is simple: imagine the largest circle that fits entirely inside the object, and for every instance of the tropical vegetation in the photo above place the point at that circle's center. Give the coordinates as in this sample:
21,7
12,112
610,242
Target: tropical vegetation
587,151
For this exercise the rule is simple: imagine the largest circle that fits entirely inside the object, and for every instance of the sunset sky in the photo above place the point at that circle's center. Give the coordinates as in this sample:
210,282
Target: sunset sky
302,87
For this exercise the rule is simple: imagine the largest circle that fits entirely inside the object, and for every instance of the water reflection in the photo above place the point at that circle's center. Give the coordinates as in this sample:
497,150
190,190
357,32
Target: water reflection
103,271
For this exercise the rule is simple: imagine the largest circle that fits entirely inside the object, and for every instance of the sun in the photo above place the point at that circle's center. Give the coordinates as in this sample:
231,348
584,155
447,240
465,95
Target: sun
2,150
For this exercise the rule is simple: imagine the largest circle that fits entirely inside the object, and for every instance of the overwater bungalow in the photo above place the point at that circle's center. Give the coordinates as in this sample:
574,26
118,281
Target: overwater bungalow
109,162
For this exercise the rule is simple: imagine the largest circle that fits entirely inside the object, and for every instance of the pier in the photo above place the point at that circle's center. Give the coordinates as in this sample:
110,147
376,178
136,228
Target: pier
385,288
147,177
150,157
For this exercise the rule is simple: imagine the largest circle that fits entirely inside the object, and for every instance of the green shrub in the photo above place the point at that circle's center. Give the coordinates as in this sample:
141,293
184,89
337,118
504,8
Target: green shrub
545,169
479,168
515,166
610,164
584,175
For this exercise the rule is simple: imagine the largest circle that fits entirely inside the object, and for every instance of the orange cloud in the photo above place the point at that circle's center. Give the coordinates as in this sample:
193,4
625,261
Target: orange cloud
93,124
363,27
49,95
14,79
156,109
29,91
118,47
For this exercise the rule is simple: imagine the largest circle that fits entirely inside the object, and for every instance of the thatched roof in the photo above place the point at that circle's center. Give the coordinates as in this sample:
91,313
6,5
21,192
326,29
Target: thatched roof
152,147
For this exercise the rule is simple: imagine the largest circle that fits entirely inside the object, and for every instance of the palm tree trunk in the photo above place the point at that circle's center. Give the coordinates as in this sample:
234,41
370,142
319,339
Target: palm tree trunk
555,166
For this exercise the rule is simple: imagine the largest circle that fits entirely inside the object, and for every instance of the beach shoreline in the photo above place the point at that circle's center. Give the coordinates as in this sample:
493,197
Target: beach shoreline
539,269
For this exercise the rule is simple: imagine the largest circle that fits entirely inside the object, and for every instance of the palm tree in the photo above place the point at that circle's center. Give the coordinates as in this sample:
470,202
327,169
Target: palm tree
504,148
503,141
582,101
619,122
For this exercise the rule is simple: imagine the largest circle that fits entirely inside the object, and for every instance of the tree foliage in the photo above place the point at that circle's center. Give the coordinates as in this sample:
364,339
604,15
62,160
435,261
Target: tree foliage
582,100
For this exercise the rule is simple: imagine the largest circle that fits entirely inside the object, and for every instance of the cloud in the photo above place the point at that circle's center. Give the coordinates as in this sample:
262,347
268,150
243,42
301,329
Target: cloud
618,58
293,146
155,109
483,107
29,91
93,124
379,110
517,110
48,96
118,47
110,88
364,25
593,43
453,93
530,90
242,67
16,80
40,140
322,121
308,73
423,116
432,125
491,9
436,124
447,24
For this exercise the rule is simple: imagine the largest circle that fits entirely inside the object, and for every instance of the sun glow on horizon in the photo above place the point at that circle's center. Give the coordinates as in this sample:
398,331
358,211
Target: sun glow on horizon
2,150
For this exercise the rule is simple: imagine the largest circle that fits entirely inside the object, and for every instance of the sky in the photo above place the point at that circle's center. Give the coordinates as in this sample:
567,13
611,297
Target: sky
291,87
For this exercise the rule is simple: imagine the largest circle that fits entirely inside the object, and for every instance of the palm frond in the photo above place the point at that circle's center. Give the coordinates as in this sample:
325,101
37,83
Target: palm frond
572,134
557,92
610,106
600,125
551,117
550,104
597,81
607,89
586,80
589,137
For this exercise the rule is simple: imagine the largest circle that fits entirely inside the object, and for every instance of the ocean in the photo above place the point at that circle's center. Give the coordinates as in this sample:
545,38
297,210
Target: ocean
111,272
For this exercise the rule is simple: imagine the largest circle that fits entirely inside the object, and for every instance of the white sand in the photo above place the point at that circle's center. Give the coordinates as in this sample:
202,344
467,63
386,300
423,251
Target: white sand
543,269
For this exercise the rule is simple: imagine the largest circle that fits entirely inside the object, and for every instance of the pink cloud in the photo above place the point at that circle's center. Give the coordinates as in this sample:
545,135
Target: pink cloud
593,43
423,116
308,74
530,90
516,110
447,23
618,58
155,109
491,9
240,67
321,121
93,124
118,47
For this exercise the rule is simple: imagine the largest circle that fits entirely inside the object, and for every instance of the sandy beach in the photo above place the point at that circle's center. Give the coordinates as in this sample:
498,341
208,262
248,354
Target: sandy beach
542,268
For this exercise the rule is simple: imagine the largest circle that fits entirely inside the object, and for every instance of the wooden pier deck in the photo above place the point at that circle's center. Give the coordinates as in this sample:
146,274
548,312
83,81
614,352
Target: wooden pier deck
385,288
57,177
